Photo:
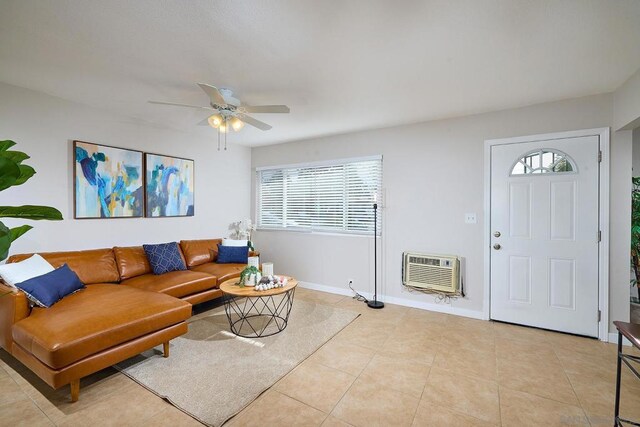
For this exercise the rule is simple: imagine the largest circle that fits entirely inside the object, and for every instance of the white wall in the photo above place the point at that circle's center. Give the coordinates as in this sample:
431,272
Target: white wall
433,175
44,127
620,226
626,104
636,151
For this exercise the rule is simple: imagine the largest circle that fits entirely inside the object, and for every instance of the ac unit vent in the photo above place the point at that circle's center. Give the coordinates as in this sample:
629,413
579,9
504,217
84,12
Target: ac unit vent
436,272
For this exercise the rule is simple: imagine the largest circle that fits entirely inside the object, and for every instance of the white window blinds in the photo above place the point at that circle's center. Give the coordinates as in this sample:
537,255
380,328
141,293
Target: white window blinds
331,197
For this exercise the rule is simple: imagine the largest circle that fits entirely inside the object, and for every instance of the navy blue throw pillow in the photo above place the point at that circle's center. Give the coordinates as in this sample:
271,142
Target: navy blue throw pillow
233,254
164,257
51,287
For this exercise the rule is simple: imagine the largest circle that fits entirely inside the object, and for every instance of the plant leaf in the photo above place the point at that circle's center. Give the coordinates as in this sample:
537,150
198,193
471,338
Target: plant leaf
16,156
19,231
26,172
9,173
6,144
30,212
5,241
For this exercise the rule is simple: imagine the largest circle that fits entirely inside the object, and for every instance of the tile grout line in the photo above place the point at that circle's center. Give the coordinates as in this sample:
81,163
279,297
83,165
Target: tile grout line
495,347
564,371
328,367
30,399
426,384
550,344
342,398
456,411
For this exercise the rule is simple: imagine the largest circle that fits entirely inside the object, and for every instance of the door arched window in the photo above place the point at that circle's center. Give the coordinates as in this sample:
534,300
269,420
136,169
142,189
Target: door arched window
543,161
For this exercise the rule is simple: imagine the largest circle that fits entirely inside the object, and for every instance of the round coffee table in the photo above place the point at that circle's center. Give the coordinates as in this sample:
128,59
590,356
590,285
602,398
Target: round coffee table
257,314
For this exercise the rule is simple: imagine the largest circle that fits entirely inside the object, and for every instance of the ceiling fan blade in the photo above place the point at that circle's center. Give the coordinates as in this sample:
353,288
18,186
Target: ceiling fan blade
254,122
214,94
181,105
204,122
266,108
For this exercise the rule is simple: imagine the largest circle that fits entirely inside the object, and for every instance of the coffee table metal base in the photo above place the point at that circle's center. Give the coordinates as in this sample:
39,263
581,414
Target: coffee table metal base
260,316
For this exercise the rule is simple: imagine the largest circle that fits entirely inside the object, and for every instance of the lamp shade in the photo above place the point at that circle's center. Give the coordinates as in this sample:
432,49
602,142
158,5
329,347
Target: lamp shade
215,121
237,124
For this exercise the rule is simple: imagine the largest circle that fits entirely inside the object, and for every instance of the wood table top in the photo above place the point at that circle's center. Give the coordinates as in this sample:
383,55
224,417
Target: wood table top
230,287
630,330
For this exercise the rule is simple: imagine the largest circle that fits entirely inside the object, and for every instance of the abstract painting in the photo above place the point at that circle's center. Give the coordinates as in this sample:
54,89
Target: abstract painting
169,186
108,181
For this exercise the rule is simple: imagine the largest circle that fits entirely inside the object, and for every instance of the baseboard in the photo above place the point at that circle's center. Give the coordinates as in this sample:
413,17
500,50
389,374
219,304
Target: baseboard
613,337
440,308
328,289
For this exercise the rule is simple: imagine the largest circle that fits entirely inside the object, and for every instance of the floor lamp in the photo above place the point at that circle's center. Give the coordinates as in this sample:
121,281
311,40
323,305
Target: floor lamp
375,303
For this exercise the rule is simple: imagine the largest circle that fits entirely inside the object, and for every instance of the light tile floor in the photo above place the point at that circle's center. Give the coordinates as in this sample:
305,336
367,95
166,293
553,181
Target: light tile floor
396,366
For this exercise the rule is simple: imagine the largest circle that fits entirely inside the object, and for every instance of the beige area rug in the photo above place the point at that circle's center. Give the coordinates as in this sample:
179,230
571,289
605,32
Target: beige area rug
212,375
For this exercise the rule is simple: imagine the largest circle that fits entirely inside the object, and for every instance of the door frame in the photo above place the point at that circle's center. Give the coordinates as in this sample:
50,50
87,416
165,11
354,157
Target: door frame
603,249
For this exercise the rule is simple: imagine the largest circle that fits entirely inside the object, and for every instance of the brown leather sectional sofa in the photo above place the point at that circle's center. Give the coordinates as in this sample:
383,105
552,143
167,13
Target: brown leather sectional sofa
124,310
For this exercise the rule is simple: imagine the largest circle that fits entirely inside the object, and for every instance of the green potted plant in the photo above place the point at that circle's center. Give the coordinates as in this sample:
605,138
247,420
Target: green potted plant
635,234
13,173
246,274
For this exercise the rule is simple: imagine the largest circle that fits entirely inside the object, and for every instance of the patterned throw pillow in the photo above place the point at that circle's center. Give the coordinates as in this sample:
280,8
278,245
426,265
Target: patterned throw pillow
164,257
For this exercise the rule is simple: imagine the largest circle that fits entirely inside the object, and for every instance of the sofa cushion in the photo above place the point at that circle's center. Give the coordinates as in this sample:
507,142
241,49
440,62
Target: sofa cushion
197,252
164,257
92,266
98,318
176,283
132,261
49,288
221,271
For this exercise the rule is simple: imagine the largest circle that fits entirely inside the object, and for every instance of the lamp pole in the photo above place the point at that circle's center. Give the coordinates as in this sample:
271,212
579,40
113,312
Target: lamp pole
375,303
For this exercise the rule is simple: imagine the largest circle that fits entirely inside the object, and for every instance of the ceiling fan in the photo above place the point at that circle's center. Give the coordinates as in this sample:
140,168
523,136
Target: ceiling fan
228,112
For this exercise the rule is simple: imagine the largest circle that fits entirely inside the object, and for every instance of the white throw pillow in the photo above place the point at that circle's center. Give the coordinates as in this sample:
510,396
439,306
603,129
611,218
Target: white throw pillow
232,242
31,267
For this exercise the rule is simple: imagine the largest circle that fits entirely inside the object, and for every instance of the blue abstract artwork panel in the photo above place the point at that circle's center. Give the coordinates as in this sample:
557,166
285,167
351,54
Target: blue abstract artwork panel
108,181
169,182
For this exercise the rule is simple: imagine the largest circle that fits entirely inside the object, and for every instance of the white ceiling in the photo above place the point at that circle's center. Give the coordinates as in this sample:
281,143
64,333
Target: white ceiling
340,65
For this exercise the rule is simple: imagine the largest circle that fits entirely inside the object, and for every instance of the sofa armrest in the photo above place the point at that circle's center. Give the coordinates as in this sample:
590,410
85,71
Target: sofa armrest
14,307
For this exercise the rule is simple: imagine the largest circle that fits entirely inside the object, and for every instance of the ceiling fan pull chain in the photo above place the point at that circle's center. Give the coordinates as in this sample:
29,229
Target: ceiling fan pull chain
225,138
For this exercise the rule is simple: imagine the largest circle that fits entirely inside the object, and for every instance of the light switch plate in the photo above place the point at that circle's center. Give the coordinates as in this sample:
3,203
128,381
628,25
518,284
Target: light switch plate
470,218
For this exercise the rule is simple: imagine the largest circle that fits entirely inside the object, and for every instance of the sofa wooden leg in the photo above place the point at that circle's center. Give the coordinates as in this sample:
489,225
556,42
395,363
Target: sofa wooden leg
75,390
165,348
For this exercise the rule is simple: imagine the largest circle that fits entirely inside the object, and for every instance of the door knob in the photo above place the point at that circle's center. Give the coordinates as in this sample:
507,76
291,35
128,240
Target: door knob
497,246
497,234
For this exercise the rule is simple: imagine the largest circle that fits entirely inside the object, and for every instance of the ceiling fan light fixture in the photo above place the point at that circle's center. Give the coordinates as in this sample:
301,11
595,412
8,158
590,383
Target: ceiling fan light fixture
228,112
215,121
237,124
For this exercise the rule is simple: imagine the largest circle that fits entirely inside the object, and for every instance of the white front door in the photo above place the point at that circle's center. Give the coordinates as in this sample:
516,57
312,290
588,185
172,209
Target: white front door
544,234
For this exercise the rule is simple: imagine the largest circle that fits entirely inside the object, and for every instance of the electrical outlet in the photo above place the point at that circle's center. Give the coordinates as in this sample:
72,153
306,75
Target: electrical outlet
470,218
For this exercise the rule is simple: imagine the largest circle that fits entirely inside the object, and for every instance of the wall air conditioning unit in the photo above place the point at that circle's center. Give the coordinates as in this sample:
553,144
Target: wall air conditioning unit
440,273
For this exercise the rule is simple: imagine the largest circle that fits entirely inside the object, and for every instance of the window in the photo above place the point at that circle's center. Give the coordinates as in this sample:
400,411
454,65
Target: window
543,161
333,196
